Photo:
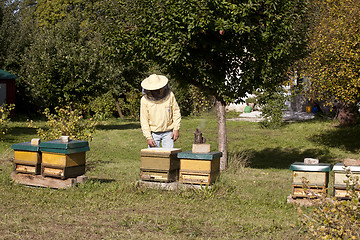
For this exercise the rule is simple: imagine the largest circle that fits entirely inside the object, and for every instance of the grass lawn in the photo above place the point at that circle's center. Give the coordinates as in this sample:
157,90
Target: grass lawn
244,203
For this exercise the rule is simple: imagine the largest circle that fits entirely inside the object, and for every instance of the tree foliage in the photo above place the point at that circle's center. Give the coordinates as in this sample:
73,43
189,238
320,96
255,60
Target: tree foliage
68,50
4,117
225,48
202,42
78,50
333,62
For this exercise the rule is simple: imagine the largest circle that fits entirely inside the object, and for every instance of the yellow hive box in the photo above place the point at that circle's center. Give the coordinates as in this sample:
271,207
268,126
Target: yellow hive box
160,159
309,180
343,193
27,158
199,168
200,165
198,178
63,159
313,178
312,192
63,165
340,174
159,176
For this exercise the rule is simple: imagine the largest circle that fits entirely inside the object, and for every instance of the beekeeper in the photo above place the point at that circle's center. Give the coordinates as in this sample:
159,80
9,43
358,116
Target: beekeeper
159,112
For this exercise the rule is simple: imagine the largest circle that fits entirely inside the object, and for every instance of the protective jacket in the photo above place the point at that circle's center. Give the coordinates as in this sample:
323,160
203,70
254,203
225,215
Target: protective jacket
159,116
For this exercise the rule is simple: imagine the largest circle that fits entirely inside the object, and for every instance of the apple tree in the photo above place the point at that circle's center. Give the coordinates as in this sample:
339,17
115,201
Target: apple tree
226,48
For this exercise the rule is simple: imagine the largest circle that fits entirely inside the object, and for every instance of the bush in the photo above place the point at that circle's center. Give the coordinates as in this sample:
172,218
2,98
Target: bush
335,219
66,122
103,107
272,104
4,117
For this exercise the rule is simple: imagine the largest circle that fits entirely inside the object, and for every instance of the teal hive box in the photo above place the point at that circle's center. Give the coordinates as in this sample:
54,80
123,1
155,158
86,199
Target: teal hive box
316,177
27,158
199,168
63,160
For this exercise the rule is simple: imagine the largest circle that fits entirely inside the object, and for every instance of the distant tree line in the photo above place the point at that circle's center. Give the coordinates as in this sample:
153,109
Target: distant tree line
83,52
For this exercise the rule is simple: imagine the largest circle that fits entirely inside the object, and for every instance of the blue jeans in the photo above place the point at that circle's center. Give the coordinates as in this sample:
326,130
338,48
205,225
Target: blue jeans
164,138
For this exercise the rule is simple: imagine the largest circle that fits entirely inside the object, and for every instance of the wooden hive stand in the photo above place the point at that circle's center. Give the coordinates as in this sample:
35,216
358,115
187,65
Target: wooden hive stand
48,182
159,164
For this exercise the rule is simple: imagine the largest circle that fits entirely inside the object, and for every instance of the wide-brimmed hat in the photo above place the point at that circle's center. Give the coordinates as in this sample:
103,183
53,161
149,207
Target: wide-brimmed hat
154,82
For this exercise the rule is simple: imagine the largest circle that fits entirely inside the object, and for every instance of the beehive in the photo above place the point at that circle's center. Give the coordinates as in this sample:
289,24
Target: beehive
27,158
341,174
199,168
316,177
63,159
159,164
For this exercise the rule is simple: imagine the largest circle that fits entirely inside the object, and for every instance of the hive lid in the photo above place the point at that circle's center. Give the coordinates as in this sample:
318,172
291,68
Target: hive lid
321,167
200,156
66,151
342,168
57,144
25,146
159,151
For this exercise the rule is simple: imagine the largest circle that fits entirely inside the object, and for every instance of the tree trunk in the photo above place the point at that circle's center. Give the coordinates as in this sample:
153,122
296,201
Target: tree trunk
347,115
222,139
118,108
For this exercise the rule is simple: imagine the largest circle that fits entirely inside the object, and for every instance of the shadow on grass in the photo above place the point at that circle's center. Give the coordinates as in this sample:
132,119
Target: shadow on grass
101,180
345,138
16,133
282,158
91,165
126,126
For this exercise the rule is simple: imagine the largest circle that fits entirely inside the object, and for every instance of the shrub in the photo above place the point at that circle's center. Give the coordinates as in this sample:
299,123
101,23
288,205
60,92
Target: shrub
66,122
130,104
4,117
335,219
272,104
103,107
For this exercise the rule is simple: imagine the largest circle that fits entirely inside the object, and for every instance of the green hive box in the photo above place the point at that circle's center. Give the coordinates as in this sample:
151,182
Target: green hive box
316,176
199,168
63,159
27,158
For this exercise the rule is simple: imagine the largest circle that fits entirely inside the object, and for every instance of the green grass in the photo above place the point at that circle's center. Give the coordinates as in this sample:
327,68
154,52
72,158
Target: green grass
244,203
